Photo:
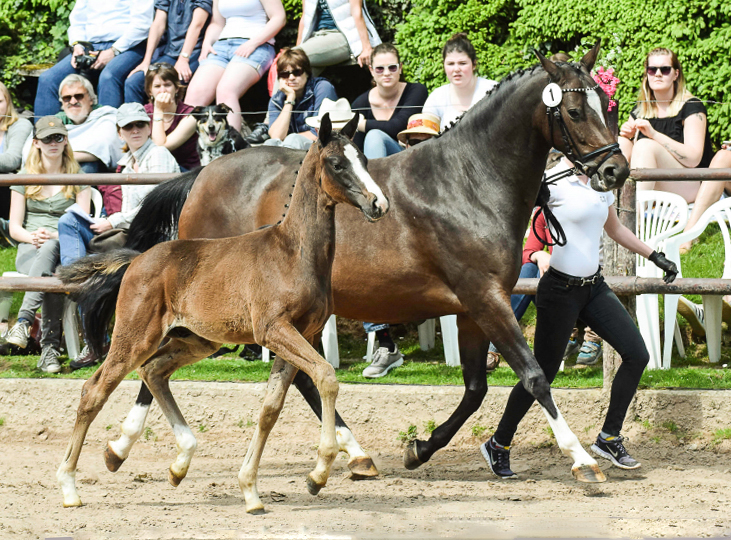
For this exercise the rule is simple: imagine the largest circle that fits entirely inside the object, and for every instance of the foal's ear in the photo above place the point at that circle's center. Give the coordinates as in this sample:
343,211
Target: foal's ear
552,69
590,58
351,127
326,129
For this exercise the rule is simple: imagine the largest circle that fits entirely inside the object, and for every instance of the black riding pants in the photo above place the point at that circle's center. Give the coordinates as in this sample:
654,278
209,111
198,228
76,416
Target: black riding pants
558,306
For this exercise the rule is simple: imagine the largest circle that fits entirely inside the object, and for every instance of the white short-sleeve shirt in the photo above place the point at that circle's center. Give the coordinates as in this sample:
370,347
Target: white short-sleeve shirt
439,102
582,212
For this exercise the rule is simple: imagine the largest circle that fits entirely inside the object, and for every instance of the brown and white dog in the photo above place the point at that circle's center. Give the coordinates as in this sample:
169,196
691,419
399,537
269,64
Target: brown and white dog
216,137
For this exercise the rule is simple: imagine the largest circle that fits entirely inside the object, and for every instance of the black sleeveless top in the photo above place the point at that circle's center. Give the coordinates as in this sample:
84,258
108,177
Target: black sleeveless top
672,126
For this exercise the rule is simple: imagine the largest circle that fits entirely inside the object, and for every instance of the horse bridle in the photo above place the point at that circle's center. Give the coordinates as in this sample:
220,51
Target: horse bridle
574,155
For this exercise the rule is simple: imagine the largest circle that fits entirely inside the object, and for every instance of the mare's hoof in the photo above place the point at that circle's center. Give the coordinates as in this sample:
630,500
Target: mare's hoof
258,511
411,460
591,474
361,468
112,460
72,503
312,486
173,478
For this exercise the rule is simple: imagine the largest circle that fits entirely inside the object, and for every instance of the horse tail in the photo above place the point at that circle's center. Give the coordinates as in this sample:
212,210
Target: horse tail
99,277
157,219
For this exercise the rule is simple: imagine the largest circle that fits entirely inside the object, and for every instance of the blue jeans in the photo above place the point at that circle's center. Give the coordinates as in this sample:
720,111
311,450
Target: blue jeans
134,87
74,236
374,327
520,302
91,167
378,144
111,79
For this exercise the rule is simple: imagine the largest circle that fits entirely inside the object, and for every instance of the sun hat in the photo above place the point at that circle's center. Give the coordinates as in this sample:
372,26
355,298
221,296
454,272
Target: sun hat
131,112
340,113
420,123
49,125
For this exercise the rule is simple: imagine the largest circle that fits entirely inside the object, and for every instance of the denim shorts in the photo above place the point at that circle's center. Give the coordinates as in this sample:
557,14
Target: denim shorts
261,59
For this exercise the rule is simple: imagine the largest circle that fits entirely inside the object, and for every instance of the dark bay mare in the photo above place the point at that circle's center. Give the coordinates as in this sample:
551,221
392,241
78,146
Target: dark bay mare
460,205
179,301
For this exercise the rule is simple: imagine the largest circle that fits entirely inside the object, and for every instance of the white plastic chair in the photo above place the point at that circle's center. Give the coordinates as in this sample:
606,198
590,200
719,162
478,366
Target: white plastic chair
719,212
70,326
660,215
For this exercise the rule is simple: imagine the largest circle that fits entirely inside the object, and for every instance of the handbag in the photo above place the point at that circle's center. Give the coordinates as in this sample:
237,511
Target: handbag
108,241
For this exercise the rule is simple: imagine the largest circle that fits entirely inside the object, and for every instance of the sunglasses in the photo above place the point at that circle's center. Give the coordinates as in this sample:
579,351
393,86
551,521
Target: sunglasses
77,97
56,137
296,72
665,70
393,68
139,125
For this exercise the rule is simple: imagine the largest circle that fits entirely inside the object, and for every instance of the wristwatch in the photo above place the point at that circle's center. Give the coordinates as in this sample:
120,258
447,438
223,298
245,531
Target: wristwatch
185,55
289,102
116,51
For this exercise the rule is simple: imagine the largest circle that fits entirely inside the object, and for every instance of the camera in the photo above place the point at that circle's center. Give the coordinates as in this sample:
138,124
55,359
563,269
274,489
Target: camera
84,61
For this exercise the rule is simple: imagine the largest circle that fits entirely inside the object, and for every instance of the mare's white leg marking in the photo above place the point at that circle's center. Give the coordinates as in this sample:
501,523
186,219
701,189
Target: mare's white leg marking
352,154
131,430
347,443
596,104
567,441
187,444
67,481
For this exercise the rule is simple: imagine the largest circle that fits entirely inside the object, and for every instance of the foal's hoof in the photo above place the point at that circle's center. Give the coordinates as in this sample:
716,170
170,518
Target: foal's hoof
312,486
72,502
173,478
258,511
591,474
361,468
112,460
411,460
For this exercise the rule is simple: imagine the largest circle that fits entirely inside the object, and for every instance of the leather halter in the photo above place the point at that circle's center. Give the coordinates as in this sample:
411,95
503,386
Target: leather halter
574,155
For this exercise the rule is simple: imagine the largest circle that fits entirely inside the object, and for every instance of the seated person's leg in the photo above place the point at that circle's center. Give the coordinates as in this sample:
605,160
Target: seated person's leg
326,49
114,75
46,102
74,236
648,154
91,167
387,356
378,144
520,302
626,146
296,141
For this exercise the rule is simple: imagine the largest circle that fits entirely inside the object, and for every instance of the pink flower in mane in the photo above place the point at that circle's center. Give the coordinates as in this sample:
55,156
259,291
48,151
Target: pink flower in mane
608,82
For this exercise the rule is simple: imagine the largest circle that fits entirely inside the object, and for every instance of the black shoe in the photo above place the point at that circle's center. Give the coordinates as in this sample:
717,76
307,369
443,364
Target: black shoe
613,450
258,135
251,352
224,350
5,239
498,458
86,358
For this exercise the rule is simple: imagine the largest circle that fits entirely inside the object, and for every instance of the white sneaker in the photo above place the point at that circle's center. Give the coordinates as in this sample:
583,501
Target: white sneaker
19,335
48,361
383,362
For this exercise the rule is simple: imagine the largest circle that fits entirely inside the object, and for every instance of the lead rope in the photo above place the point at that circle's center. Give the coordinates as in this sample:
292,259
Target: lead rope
544,195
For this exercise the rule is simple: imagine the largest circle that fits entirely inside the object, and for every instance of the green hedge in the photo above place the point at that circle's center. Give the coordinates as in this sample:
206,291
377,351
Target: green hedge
503,31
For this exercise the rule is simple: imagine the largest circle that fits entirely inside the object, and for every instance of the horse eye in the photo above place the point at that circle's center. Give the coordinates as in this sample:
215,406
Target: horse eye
574,114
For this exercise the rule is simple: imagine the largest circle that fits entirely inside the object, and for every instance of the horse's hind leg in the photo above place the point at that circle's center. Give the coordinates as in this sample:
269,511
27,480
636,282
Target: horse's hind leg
473,346
156,373
118,451
360,463
279,381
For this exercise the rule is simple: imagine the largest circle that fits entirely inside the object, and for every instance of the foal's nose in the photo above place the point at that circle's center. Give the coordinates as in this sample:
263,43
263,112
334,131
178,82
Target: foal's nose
380,206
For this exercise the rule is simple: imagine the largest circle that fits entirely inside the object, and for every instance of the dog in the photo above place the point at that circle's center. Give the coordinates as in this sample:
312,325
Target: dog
216,137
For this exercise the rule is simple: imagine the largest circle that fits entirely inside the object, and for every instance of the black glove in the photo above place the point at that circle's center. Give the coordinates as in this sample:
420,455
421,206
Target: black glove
665,265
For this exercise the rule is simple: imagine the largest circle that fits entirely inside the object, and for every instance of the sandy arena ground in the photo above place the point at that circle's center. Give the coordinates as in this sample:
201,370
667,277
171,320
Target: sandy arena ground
683,488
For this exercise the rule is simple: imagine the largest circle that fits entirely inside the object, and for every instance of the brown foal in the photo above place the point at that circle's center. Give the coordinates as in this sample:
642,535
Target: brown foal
271,287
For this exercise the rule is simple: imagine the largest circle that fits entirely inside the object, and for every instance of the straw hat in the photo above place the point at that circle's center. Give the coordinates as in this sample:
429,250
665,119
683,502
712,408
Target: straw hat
420,123
340,113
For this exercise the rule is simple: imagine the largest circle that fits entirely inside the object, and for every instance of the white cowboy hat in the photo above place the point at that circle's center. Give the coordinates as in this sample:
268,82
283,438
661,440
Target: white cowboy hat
340,113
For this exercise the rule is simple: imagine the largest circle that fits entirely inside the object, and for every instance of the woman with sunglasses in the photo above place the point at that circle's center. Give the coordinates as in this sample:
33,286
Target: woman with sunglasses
668,129
464,89
298,98
172,125
237,49
385,108
34,216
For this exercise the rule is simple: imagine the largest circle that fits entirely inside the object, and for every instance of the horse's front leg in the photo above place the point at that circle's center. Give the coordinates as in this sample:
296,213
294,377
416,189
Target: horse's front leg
284,339
473,346
360,464
280,379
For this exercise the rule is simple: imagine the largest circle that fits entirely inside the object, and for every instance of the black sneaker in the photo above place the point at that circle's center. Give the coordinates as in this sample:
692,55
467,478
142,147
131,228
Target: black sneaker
251,352
498,458
258,135
613,450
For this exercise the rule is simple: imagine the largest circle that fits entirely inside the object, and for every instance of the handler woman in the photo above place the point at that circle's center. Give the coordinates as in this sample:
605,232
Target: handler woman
573,288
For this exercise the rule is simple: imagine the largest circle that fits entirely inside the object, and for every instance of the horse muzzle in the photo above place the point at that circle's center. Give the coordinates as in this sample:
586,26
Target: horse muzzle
611,174
376,207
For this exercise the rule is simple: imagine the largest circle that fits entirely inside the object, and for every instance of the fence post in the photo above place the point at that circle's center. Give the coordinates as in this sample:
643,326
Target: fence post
619,261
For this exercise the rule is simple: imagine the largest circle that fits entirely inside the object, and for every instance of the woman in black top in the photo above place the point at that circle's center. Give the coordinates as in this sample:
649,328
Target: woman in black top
385,108
668,128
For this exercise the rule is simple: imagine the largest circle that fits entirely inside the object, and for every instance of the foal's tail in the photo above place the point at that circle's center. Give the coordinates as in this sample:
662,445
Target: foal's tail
100,277
157,219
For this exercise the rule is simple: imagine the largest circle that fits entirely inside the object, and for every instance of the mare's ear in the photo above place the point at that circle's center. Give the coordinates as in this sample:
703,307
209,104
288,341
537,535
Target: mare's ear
590,58
326,129
552,69
224,107
351,127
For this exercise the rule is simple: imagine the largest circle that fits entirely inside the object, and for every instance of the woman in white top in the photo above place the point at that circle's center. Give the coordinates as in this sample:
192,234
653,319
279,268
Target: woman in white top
465,88
237,48
573,288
